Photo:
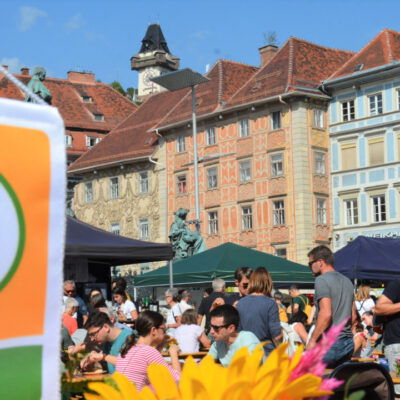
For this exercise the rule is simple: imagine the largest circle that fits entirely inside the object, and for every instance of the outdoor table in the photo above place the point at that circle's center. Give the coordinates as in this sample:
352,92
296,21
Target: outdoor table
395,378
359,359
182,356
90,377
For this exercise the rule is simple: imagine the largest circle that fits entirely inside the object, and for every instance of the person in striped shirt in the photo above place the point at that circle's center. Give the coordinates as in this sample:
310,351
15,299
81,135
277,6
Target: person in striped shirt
138,354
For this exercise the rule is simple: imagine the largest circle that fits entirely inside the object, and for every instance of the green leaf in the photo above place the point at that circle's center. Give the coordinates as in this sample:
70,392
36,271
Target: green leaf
359,395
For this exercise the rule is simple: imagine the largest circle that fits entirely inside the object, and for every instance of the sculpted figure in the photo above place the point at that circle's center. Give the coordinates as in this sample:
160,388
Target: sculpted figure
38,87
184,241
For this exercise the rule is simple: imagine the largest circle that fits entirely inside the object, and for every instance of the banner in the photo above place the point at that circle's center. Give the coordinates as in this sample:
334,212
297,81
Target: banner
32,219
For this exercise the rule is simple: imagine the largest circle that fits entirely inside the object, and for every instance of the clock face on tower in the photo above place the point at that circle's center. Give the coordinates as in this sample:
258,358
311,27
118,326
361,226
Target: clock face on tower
146,78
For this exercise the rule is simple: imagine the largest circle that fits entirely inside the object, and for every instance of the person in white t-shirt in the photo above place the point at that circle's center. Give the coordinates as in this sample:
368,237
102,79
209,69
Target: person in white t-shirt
189,335
185,300
125,308
364,302
174,313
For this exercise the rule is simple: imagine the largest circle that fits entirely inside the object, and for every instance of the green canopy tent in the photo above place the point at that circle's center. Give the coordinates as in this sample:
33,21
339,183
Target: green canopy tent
221,262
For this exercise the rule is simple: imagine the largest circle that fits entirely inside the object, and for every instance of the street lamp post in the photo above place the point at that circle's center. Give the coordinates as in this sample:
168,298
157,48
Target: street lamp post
177,80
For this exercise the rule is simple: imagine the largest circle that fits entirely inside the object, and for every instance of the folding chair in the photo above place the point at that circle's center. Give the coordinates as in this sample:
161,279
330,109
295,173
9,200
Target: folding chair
373,378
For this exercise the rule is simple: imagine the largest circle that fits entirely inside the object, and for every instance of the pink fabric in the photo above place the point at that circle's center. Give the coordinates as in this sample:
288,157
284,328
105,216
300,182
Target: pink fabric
135,363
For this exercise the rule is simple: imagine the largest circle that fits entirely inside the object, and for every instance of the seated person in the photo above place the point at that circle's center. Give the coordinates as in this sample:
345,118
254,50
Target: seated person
101,331
138,354
278,297
359,337
125,308
189,335
224,324
70,308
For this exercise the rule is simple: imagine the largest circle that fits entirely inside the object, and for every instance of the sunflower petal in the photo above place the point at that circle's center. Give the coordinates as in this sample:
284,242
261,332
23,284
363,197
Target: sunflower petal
146,394
126,387
308,385
105,391
90,396
162,382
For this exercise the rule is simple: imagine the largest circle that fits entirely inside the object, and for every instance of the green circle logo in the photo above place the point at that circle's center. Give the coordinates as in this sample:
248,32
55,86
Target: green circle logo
12,232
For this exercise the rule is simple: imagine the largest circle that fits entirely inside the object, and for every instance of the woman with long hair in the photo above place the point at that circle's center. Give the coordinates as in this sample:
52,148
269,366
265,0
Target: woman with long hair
138,354
363,299
125,308
259,312
189,335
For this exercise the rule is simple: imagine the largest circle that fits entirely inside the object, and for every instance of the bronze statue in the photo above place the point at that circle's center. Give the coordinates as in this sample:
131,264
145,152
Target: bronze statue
38,87
185,242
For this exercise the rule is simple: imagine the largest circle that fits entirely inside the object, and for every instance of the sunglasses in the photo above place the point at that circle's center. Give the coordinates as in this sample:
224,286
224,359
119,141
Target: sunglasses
70,291
218,327
310,264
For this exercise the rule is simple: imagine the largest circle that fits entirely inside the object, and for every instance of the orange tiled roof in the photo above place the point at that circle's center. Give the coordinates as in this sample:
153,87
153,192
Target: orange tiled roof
67,97
297,66
134,137
225,78
382,49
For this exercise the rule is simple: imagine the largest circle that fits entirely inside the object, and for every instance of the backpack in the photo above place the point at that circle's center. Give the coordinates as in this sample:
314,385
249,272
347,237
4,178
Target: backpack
307,308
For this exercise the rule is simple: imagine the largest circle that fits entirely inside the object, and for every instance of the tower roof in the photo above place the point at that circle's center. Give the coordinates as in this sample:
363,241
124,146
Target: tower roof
154,40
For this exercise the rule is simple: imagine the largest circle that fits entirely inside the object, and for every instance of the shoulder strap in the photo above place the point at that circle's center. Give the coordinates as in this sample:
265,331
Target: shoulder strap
302,299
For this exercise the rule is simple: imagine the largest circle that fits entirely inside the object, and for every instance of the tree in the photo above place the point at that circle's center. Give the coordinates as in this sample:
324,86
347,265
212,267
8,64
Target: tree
271,38
131,93
118,87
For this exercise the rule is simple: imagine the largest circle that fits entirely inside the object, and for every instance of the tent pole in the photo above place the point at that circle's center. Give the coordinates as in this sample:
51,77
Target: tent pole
171,275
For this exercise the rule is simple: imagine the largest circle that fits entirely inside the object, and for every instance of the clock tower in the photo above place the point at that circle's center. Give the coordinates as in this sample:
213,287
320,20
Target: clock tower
153,59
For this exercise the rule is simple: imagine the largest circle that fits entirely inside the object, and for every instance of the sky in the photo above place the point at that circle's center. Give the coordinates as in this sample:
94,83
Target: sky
102,35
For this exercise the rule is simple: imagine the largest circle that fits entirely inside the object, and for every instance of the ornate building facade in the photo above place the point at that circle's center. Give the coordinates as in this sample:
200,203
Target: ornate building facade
364,126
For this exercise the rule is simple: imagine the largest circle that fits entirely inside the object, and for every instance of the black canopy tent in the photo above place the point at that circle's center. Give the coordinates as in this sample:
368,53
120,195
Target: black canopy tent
84,241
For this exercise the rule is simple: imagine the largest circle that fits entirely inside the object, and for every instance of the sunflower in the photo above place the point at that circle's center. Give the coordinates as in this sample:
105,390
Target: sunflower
246,378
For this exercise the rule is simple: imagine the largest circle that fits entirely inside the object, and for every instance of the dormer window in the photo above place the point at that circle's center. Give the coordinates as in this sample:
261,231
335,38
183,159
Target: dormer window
87,99
98,117
92,140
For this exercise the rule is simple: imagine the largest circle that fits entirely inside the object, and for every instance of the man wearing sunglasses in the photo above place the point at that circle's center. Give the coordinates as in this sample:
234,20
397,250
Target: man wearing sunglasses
334,301
224,325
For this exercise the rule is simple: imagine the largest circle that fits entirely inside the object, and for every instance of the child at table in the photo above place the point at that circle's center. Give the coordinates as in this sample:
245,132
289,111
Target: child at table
189,335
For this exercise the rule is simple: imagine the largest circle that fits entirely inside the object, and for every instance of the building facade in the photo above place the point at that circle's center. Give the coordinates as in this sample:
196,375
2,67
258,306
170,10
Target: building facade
263,151
364,129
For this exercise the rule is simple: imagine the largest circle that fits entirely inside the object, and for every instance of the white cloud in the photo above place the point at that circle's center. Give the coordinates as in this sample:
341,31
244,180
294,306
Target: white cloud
28,17
14,64
74,23
201,34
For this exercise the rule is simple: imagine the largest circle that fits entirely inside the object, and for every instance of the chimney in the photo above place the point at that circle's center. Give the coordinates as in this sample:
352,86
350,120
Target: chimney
81,77
24,71
267,53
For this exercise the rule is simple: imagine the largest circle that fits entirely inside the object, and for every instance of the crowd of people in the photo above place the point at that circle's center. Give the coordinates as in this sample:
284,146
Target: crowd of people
224,323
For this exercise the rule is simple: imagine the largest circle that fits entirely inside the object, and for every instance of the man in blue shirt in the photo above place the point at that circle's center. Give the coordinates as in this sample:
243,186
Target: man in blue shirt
101,331
224,325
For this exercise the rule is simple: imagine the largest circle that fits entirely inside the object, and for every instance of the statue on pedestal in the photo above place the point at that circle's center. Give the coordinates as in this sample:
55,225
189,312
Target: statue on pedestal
185,242
38,87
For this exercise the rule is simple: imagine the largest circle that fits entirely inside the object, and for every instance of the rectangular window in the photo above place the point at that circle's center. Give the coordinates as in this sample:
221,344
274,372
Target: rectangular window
87,99
212,178
276,120
98,117
319,163
144,228
181,184
245,171
247,218
92,140
114,188
144,267
143,182
180,144
321,212
398,98
375,104
348,111
88,192
376,151
351,209
379,208
349,156
211,138
281,252
68,140
243,128
279,212
277,164
213,222
318,118
115,228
